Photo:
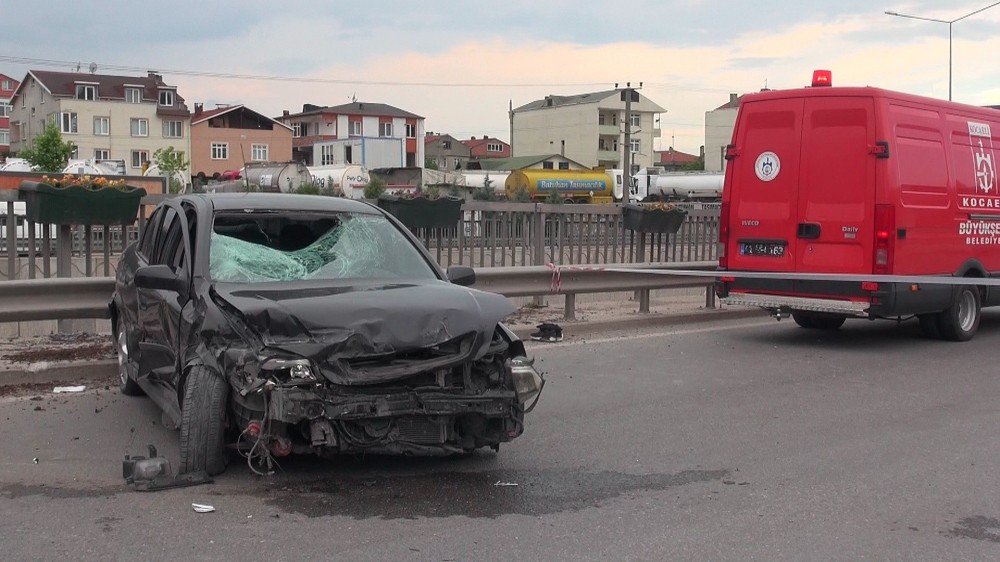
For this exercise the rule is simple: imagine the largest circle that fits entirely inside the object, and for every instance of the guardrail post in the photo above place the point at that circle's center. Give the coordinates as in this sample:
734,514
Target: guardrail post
710,296
12,242
64,264
538,246
570,311
644,301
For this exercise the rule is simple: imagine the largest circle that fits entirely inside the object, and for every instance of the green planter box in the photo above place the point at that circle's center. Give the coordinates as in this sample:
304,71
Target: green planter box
420,212
643,219
79,205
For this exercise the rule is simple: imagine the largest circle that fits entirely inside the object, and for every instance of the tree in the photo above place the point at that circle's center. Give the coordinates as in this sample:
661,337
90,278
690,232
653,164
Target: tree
430,164
48,151
171,162
375,187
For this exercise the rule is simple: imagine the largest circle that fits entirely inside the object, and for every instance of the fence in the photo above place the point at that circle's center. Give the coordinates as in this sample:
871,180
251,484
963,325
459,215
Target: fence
487,235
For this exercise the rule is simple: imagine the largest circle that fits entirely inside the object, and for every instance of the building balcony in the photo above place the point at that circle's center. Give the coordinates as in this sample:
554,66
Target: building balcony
608,155
613,130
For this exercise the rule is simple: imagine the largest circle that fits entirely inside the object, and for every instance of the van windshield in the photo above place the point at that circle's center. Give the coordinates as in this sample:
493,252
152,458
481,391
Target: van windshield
267,246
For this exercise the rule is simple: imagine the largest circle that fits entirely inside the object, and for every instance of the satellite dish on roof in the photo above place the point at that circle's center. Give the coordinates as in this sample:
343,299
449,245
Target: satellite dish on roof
93,67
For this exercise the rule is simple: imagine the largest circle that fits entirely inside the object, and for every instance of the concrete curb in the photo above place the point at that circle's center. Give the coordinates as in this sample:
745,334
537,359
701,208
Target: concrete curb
106,370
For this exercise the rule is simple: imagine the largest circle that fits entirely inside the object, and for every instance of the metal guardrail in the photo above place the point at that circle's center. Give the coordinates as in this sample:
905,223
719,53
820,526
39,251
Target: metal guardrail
87,297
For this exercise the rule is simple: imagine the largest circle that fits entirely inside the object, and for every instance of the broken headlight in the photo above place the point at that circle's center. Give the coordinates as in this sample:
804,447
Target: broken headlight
294,371
528,382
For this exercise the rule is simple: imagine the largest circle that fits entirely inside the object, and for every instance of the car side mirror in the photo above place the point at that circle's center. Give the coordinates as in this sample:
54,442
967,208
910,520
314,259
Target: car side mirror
462,275
159,277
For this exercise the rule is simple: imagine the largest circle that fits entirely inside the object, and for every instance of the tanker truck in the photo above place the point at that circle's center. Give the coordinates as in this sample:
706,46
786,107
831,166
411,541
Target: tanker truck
350,179
677,186
572,186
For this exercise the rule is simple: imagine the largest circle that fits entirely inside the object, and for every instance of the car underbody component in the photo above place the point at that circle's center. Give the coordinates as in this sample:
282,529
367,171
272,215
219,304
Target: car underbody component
152,473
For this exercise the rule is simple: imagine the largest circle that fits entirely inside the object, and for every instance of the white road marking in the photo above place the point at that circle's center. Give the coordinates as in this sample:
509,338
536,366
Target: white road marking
680,332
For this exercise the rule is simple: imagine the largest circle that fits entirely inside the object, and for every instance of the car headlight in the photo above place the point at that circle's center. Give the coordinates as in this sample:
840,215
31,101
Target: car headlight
290,370
528,382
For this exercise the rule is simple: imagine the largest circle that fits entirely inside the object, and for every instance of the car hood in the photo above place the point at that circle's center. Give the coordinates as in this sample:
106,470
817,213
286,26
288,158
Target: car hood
329,323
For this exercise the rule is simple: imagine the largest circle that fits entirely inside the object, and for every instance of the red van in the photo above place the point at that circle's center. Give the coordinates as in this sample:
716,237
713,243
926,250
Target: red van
862,181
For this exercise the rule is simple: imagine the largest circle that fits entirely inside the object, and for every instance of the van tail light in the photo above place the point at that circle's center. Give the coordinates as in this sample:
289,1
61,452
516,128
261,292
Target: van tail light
724,235
885,241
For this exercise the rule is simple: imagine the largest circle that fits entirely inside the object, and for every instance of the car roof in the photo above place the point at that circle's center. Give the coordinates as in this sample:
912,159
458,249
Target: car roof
282,202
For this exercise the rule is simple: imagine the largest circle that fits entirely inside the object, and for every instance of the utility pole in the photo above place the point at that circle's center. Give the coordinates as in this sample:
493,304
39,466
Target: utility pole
628,92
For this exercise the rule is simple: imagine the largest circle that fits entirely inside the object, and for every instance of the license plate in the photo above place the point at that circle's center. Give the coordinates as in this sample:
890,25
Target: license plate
768,249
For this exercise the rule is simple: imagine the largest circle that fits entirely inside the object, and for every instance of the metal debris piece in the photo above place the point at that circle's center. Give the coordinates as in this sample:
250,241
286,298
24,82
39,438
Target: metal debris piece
500,483
61,389
202,508
153,473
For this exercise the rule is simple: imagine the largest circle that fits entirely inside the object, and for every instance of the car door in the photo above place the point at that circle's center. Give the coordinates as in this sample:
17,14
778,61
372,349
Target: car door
159,310
126,297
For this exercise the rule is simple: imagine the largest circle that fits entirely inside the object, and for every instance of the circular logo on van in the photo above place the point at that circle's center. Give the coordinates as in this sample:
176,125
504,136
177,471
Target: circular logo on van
767,166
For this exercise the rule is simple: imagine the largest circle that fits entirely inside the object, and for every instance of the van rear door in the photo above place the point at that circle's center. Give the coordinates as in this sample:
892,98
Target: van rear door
834,229
763,191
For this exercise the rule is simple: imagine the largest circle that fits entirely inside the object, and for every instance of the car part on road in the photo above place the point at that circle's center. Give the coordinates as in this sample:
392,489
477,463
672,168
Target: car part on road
548,332
152,473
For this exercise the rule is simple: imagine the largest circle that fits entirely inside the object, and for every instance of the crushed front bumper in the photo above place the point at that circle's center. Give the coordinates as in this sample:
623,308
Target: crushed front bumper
293,405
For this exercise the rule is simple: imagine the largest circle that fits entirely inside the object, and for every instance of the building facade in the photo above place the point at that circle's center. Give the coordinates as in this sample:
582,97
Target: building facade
7,87
374,135
227,138
674,160
588,128
719,125
106,117
446,152
487,147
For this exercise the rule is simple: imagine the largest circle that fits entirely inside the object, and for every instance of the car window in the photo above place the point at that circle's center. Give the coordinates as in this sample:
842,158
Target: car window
169,214
172,239
192,221
148,240
294,245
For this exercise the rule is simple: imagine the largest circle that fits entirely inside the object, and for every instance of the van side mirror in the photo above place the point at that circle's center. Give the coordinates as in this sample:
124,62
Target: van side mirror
462,275
159,277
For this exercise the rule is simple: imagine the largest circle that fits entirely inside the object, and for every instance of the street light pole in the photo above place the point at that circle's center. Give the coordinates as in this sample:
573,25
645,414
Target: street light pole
950,23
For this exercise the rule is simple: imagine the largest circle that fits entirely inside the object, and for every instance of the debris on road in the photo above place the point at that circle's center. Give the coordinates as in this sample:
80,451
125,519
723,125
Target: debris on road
150,474
202,508
548,332
63,389
500,483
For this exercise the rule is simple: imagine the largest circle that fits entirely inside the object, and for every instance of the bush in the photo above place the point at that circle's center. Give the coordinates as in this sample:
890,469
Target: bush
485,193
521,195
374,188
431,192
554,198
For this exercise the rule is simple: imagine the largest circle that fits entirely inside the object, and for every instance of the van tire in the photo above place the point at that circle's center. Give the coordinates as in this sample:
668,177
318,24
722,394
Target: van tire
960,321
929,325
818,322
203,422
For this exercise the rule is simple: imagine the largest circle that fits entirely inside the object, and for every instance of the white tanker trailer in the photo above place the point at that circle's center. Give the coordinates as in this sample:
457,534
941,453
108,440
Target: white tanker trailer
678,186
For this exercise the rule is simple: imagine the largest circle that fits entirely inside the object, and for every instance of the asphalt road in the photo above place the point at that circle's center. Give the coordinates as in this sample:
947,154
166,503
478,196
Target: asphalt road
736,440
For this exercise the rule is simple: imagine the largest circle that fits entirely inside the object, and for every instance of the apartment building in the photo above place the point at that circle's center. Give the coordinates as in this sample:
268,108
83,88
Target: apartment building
226,137
487,147
588,128
373,135
7,87
106,117
719,125
446,151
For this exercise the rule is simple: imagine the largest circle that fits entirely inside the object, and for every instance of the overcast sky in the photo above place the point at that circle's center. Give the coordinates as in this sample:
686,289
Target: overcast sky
459,63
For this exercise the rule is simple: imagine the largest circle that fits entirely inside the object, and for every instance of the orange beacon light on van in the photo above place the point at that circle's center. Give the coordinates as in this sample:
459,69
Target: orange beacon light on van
822,78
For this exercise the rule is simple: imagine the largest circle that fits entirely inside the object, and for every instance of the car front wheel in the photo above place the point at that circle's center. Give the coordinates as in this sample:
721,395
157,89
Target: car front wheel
203,422
126,383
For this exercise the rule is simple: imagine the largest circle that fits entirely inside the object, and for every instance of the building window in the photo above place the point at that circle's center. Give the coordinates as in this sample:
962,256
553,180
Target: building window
411,131
446,145
7,85
385,129
635,145
102,126
296,130
564,165
258,152
133,95
326,155
102,154
4,109
635,120
67,120
546,165
5,136
220,151
86,92
167,98
173,129
139,158
356,128
494,147
140,127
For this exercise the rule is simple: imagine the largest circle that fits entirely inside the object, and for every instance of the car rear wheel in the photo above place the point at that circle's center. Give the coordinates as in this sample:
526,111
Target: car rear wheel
818,322
203,422
126,383
960,321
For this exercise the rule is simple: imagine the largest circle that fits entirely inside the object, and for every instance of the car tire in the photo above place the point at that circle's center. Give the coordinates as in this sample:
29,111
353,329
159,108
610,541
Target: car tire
818,322
929,325
203,422
960,321
126,384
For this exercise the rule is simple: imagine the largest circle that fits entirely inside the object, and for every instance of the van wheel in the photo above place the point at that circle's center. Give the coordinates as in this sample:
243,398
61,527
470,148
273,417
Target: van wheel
960,321
818,322
929,325
203,422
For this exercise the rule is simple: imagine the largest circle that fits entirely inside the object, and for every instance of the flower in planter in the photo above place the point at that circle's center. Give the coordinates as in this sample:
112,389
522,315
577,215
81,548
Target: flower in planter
85,181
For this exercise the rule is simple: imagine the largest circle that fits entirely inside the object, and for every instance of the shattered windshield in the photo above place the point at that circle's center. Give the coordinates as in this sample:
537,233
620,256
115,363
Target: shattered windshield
268,246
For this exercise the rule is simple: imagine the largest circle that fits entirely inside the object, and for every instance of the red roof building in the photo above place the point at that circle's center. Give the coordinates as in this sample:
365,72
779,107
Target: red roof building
487,147
671,159
7,87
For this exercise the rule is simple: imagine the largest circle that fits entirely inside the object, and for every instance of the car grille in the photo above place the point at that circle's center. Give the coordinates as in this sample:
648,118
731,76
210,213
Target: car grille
394,366
421,430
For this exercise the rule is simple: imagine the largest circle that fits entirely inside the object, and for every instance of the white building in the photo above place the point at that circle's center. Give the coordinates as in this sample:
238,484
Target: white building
588,128
719,125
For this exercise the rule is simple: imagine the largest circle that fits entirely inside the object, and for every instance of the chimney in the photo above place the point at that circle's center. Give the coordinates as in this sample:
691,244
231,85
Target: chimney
153,75
285,113
733,98
198,108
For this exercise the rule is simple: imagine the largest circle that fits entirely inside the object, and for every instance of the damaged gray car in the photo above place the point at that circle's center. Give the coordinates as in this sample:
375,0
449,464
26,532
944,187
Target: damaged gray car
275,324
